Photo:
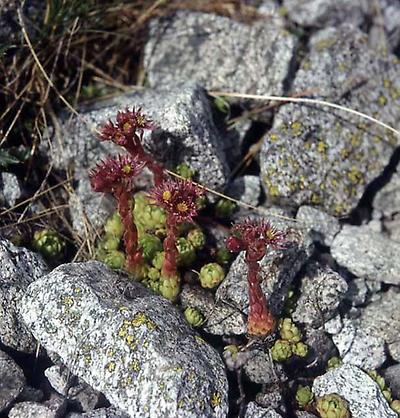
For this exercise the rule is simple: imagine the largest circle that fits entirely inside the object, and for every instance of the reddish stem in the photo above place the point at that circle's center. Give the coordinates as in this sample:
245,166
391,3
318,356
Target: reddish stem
260,321
134,255
169,267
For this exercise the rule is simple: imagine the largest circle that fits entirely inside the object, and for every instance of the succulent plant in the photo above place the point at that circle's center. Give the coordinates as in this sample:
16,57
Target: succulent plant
114,226
334,362
197,238
289,331
211,275
193,316
186,252
184,171
281,350
223,256
395,405
50,244
115,259
169,287
300,349
304,396
150,245
224,208
332,406
158,260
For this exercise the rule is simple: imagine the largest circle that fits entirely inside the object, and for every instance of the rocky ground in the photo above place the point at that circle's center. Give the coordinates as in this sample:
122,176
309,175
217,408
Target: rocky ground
78,339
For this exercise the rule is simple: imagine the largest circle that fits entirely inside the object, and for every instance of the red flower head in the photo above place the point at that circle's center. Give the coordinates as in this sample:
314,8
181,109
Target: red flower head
254,236
178,198
128,129
115,171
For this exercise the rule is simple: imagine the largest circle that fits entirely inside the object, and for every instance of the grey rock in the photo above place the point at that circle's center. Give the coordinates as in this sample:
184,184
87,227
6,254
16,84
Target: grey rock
260,368
18,268
216,52
323,227
392,378
387,200
305,414
277,270
12,381
361,291
185,132
10,33
321,292
255,411
122,340
220,318
322,13
247,189
386,206
59,378
385,30
30,394
83,397
323,157
57,404
382,319
334,325
271,398
10,189
361,392
225,319
367,254
320,347
79,394
31,410
110,412
358,347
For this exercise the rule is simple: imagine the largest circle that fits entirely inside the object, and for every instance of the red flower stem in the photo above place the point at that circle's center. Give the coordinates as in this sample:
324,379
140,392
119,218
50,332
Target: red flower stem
260,321
134,255
169,267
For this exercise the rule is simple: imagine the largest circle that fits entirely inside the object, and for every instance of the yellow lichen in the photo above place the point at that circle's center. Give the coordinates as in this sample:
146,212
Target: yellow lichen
322,147
354,175
216,399
68,301
325,43
111,366
296,128
139,319
131,341
382,100
273,137
135,365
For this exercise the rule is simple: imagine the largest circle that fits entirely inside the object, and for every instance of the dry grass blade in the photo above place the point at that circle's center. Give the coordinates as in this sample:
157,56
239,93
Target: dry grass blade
304,100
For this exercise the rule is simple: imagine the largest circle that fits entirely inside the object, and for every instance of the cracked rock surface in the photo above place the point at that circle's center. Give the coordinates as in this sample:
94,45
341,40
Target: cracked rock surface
324,157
